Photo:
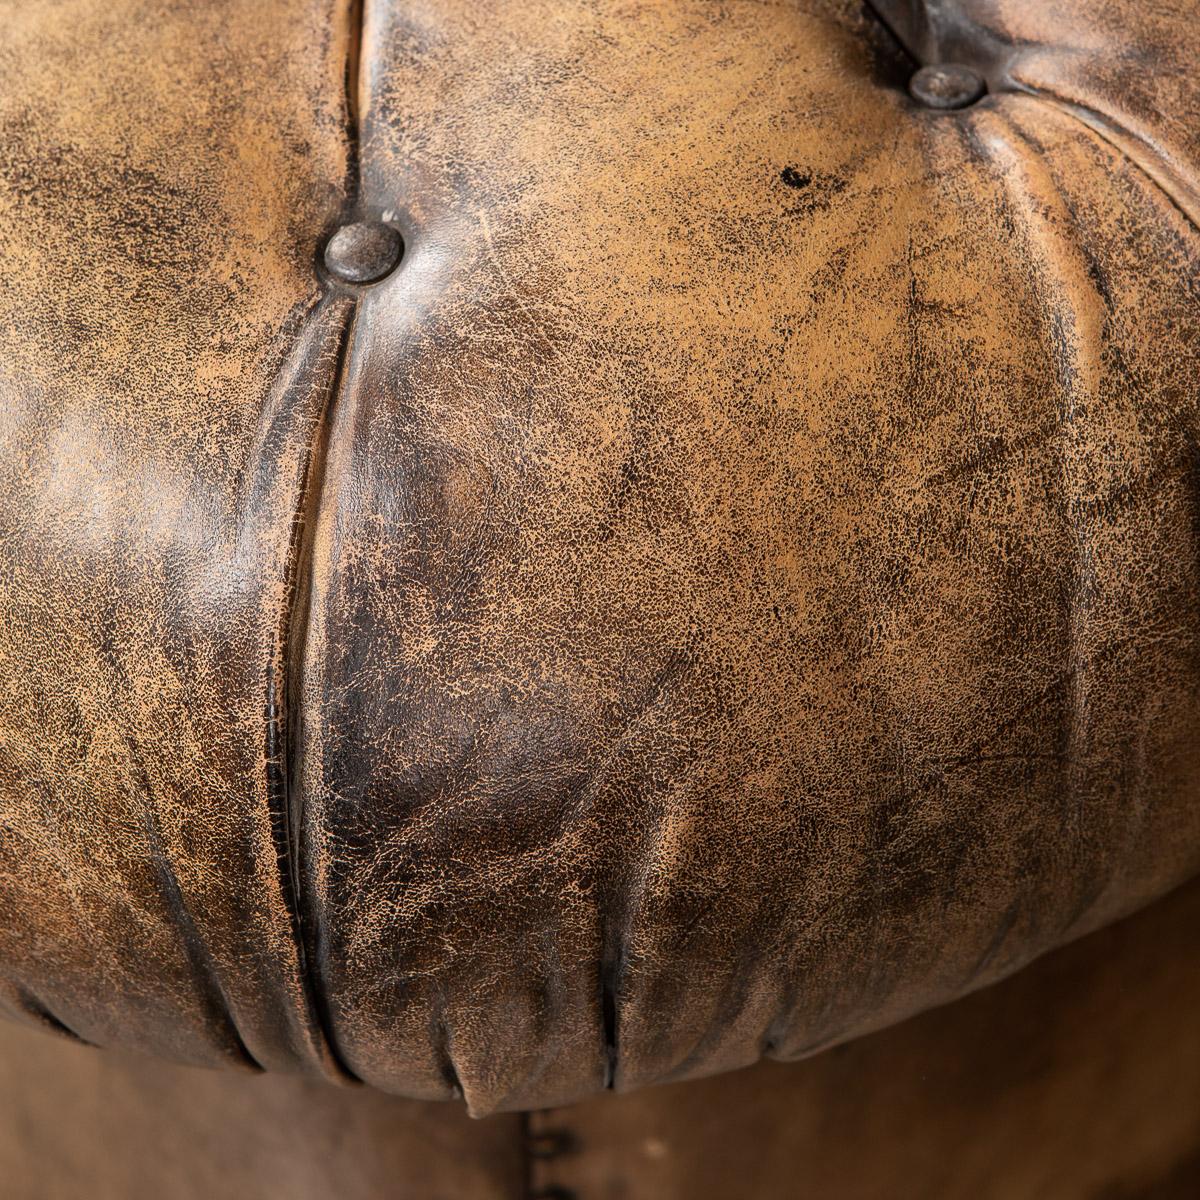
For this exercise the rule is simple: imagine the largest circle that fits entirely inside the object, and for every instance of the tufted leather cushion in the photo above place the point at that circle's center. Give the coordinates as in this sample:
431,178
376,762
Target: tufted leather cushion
733,586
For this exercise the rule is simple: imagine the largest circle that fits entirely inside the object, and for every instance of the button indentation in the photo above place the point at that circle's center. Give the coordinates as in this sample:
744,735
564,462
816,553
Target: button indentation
363,252
947,86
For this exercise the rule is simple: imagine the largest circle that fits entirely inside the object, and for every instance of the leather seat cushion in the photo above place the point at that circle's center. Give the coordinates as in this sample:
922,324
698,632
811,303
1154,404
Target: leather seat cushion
731,588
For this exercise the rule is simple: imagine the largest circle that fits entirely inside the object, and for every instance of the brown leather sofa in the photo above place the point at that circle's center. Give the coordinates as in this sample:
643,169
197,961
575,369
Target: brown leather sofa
549,547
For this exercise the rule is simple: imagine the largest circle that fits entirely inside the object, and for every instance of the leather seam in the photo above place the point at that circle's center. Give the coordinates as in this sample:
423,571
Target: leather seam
294,639
286,753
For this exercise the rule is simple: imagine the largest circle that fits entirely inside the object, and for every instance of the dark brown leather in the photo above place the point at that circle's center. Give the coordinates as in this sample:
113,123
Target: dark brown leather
167,357
732,587
1075,1080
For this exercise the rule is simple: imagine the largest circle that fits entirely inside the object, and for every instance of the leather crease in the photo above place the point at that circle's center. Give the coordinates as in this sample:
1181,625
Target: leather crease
285,705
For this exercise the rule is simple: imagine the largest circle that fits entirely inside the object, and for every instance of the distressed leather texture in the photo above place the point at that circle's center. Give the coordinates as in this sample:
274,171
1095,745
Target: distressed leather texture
1062,1083
733,587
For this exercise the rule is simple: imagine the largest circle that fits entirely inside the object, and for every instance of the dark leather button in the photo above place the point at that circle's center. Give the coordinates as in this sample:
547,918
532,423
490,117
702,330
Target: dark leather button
363,252
947,85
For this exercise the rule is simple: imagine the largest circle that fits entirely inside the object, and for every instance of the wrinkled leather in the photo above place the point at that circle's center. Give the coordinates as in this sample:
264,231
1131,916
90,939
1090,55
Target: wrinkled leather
733,586
166,355
1074,1080
1064,1082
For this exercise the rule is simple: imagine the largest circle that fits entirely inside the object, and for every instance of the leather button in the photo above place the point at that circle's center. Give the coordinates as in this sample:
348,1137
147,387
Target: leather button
363,252
946,86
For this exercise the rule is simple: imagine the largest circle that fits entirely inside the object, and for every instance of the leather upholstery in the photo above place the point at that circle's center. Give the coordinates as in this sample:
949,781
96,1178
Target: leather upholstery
1074,1080
731,588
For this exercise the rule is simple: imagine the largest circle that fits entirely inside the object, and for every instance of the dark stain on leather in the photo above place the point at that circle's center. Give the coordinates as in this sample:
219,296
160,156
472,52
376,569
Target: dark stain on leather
818,191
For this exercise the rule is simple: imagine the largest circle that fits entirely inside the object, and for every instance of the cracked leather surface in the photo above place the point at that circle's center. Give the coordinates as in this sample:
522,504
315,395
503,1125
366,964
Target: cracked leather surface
165,357
733,587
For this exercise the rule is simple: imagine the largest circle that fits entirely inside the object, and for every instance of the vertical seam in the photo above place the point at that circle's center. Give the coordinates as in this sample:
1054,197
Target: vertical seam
285,688
283,748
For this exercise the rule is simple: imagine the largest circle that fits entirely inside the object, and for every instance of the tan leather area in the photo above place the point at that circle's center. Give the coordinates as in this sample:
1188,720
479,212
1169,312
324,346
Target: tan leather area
766,602
1127,71
165,358
731,588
